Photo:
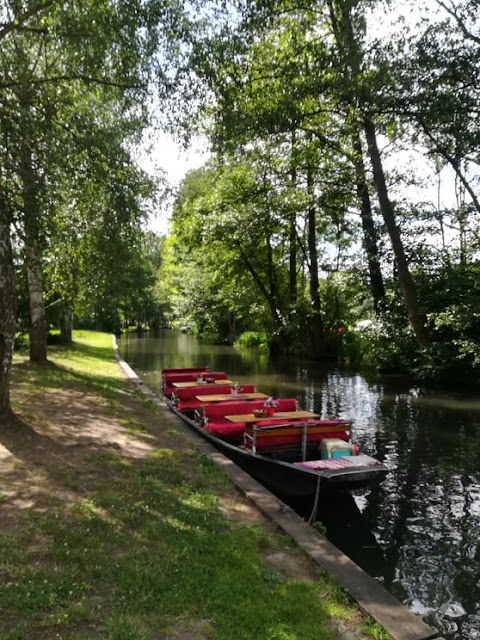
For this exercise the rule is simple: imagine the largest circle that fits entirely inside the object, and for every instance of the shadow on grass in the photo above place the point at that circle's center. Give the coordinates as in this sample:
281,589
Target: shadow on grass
39,474
91,351
38,452
50,375
19,437
100,543
148,542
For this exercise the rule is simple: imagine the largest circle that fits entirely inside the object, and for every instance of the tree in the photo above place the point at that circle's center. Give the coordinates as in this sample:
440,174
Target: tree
438,94
7,309
219,217
107,50
351,56
95,255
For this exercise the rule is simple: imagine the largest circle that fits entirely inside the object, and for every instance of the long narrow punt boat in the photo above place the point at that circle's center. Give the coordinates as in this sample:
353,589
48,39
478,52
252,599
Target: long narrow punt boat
293,453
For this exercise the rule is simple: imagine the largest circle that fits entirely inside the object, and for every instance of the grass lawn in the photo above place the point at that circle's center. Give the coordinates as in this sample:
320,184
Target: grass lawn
114,526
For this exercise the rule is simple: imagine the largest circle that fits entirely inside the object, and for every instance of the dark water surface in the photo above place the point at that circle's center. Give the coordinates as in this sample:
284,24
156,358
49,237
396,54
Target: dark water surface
418,532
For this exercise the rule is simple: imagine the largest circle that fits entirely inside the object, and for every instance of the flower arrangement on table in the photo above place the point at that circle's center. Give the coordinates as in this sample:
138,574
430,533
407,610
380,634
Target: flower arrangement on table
235,388
270,405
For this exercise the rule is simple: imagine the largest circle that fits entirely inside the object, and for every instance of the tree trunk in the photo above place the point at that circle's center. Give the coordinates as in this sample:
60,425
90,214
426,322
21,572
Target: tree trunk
66,327
369,233
318,344
30,201
232,326
292,279
417,317
38,325
7,315
270,299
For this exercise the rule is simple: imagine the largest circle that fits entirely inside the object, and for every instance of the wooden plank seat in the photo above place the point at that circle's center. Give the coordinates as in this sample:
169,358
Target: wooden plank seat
277,436
185,399
213,418
168,379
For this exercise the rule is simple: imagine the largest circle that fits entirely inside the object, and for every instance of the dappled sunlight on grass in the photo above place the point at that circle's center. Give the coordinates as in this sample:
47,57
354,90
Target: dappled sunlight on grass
80,363
128,537
150,541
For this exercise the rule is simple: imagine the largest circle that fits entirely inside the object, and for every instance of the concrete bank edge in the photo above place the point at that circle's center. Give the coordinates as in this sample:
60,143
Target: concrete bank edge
372,599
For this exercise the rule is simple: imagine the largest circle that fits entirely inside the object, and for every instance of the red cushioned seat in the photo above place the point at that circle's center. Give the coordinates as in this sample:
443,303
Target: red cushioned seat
216,411
190,392
288,434
169,378
232,431
184,369
186,400
213,415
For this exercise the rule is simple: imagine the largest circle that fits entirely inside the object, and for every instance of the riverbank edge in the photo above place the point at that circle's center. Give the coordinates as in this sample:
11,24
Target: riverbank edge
372,599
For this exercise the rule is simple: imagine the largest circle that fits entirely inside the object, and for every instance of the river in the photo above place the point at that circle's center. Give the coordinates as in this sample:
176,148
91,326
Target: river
417,532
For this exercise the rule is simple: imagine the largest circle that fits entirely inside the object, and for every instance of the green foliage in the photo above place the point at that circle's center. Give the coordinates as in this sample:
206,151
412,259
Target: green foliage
385,342
375,630
320,527
205,270
253,339
452,302
453,298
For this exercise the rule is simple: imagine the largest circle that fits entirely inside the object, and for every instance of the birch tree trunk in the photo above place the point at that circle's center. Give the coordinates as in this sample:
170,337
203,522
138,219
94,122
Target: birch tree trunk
38,328
38,325
7,315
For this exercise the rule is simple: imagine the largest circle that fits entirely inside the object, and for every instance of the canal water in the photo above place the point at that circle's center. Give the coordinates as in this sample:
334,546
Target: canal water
418,532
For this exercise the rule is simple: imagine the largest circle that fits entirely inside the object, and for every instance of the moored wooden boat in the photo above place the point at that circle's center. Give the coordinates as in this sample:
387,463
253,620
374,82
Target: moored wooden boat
293,453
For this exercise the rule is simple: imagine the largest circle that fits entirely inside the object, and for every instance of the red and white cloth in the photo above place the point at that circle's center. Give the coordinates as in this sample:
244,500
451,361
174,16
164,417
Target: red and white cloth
343,462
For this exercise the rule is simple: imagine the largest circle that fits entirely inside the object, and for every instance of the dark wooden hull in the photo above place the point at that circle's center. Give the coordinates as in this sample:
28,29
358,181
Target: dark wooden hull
286,479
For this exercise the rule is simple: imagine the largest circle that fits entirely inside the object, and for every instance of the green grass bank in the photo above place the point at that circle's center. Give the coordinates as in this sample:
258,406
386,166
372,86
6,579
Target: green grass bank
114,526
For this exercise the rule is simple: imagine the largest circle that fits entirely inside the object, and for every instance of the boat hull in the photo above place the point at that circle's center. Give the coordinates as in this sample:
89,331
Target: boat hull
286,479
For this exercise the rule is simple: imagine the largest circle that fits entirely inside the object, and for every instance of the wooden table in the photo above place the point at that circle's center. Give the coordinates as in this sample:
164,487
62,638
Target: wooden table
288,415
220,397
186,385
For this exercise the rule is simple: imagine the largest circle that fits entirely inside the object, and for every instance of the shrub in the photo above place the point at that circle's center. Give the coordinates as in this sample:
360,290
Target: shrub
253,339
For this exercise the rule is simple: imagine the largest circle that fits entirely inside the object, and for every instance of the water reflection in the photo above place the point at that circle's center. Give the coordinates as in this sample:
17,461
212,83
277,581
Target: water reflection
417,532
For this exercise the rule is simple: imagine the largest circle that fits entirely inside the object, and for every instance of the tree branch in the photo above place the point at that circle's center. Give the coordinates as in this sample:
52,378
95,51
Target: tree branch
23,16
86,79
460,22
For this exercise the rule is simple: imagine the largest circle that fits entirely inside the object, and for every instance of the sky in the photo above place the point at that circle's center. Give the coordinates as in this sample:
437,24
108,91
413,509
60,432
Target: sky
160,153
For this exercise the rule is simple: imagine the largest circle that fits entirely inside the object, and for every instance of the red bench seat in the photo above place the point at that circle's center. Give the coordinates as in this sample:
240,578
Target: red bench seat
213,416
169,378
185,399
288,436
184,369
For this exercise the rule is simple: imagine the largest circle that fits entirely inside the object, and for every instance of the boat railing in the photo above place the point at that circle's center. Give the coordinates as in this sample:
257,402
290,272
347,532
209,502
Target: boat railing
302,428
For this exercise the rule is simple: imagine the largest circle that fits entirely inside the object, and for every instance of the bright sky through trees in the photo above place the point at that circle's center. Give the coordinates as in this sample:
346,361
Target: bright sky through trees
162,154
